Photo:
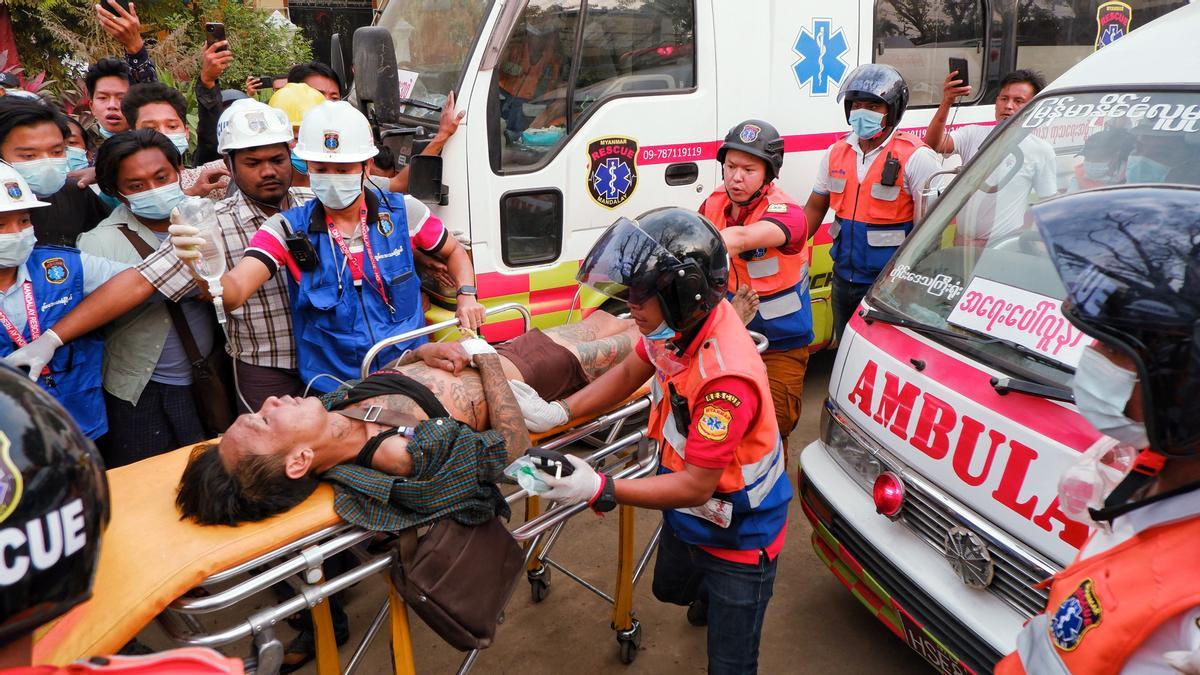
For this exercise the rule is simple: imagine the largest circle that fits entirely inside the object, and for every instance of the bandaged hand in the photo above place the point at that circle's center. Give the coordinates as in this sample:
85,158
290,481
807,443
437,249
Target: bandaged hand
581,486
476,346
185,239
36,354
540,414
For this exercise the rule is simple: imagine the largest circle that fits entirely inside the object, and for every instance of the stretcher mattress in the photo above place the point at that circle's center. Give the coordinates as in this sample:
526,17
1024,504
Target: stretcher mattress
149,557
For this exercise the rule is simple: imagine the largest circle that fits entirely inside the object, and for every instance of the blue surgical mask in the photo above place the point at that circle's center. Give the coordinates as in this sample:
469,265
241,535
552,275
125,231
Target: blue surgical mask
77,159
1097,170
15,248
104,133
299,165
1142,169
663,332
336,190
45,176
156,204
180,141
867,124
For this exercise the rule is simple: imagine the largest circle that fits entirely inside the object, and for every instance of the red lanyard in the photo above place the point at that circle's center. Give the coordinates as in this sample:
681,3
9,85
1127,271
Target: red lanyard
35,327
370,255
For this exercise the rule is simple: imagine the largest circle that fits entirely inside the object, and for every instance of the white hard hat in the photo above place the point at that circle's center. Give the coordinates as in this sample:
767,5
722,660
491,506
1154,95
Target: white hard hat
16,194
248,123
335,131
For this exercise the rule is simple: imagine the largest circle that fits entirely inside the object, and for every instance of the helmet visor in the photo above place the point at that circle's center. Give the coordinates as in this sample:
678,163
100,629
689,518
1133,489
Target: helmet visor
626,264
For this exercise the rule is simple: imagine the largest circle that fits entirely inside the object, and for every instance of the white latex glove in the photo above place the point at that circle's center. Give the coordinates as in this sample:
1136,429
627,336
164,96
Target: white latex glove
476,346
1184,662
36,354
540,414
185,240
581,486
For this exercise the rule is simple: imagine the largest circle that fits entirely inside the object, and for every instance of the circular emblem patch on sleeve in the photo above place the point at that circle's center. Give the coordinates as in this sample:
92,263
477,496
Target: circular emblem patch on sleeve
1078,613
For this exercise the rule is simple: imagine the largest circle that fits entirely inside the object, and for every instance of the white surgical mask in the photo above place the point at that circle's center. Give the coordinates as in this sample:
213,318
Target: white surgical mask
180,141
156,204
336,190
15,248
1102,390
1092,478
44,176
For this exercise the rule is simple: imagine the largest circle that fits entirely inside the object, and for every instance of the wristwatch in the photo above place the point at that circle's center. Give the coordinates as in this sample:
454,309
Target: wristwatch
607,499
466,290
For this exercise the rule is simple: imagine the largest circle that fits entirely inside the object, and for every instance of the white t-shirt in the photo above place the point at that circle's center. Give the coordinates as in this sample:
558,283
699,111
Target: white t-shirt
921,165
1180,633
988,215
968,139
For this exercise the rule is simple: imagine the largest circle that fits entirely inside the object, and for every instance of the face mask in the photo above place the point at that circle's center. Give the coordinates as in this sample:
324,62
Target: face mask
1142,169
1102,390
15,247
1087,483
866,123
663,332
104,133
299,164
76,159
336,190
45,176
664,357
1097,170
180,140
156,204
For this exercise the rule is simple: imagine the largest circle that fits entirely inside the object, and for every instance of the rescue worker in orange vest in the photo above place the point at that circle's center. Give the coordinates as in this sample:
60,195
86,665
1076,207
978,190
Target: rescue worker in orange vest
870,178
1130,602
52,482
767,239
722,484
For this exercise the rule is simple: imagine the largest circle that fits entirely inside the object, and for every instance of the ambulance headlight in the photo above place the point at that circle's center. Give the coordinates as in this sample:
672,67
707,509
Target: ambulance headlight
852,455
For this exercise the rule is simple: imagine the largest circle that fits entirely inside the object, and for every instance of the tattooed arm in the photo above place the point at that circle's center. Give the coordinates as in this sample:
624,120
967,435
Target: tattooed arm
599,356
505,414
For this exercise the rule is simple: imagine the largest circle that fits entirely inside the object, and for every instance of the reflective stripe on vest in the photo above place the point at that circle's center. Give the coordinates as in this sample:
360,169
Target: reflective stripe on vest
760,476
1036,651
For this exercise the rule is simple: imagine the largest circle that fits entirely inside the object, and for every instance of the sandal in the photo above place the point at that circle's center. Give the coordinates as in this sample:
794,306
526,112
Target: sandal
303,649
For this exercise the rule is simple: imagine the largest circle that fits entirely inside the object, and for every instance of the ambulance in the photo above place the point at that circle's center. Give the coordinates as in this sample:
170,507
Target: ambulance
579,112
932,490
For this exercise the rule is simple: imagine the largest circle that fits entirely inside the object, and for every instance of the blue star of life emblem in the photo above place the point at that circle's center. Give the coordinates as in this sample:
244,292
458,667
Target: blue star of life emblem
611,178
821,51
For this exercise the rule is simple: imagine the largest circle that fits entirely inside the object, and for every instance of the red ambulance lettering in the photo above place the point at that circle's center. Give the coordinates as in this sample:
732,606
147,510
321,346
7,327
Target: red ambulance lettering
939,429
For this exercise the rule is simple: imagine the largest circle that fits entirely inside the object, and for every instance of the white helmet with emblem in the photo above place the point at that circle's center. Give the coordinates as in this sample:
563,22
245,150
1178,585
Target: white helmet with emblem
335,131
15,194
248,123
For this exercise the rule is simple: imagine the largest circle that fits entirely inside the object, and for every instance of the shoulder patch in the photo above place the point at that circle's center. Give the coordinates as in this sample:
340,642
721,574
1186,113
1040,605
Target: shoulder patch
384,224
55,270
722,396
777,208
714,423
1075,616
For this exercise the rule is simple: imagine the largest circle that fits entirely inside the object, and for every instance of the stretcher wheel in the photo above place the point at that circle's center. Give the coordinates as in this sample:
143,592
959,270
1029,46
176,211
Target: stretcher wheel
539,584
629,642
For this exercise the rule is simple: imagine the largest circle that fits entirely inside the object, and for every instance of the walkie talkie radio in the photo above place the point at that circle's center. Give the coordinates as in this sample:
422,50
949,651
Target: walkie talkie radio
891,171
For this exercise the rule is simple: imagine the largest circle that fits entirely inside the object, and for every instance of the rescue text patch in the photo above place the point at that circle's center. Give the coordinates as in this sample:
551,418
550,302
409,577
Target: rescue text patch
714,423
722,396
777,208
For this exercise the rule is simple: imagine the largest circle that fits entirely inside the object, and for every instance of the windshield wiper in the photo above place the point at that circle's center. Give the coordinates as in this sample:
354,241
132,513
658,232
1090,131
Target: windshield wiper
1002,385
416,103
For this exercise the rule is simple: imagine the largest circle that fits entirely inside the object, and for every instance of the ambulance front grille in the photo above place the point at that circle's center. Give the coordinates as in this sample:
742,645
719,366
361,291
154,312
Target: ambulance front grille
1013,580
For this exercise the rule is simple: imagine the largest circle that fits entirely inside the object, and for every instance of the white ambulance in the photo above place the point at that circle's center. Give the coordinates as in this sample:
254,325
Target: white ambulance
933,488
582,111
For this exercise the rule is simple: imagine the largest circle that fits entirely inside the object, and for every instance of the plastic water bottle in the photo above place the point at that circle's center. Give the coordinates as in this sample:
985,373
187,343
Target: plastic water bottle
199,213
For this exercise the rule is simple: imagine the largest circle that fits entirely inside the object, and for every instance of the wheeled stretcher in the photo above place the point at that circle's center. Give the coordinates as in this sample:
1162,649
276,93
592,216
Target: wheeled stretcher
154,566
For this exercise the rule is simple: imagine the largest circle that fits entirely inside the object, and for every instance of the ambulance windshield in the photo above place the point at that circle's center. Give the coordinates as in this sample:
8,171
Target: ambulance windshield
977,265
433,39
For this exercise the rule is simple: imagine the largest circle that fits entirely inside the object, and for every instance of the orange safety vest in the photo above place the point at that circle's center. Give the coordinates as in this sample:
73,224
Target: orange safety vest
872,218
749,507
771,272
533,75
185,661
1102,608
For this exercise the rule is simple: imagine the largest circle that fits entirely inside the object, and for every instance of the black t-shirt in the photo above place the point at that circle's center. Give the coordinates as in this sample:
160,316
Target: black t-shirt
72,211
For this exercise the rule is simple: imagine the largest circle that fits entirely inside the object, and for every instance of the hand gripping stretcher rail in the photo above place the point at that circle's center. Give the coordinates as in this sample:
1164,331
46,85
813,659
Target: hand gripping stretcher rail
154,566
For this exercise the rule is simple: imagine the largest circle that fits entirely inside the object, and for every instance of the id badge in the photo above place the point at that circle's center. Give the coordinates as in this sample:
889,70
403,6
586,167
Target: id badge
716,511
885,238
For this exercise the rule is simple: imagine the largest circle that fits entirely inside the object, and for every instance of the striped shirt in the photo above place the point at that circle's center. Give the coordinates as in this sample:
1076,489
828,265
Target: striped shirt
260,331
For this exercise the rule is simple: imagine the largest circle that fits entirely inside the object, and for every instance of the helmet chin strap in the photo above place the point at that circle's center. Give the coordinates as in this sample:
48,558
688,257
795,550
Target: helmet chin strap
753,198
1146,468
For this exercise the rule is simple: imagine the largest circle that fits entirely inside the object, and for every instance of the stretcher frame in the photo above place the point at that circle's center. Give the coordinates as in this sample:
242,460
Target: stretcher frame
300,563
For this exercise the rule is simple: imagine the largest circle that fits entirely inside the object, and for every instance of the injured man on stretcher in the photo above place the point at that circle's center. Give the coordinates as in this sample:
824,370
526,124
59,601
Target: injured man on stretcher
269,461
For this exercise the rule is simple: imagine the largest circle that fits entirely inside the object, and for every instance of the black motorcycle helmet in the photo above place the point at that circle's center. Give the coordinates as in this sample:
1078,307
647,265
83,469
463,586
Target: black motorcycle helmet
758,138
876,82
53,508
673,254
1129,257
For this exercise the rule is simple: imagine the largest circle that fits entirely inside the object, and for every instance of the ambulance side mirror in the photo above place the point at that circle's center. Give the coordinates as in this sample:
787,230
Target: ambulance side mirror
425,180
376,82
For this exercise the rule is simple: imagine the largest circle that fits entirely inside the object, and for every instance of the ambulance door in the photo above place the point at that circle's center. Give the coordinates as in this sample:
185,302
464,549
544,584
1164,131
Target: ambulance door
595,109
